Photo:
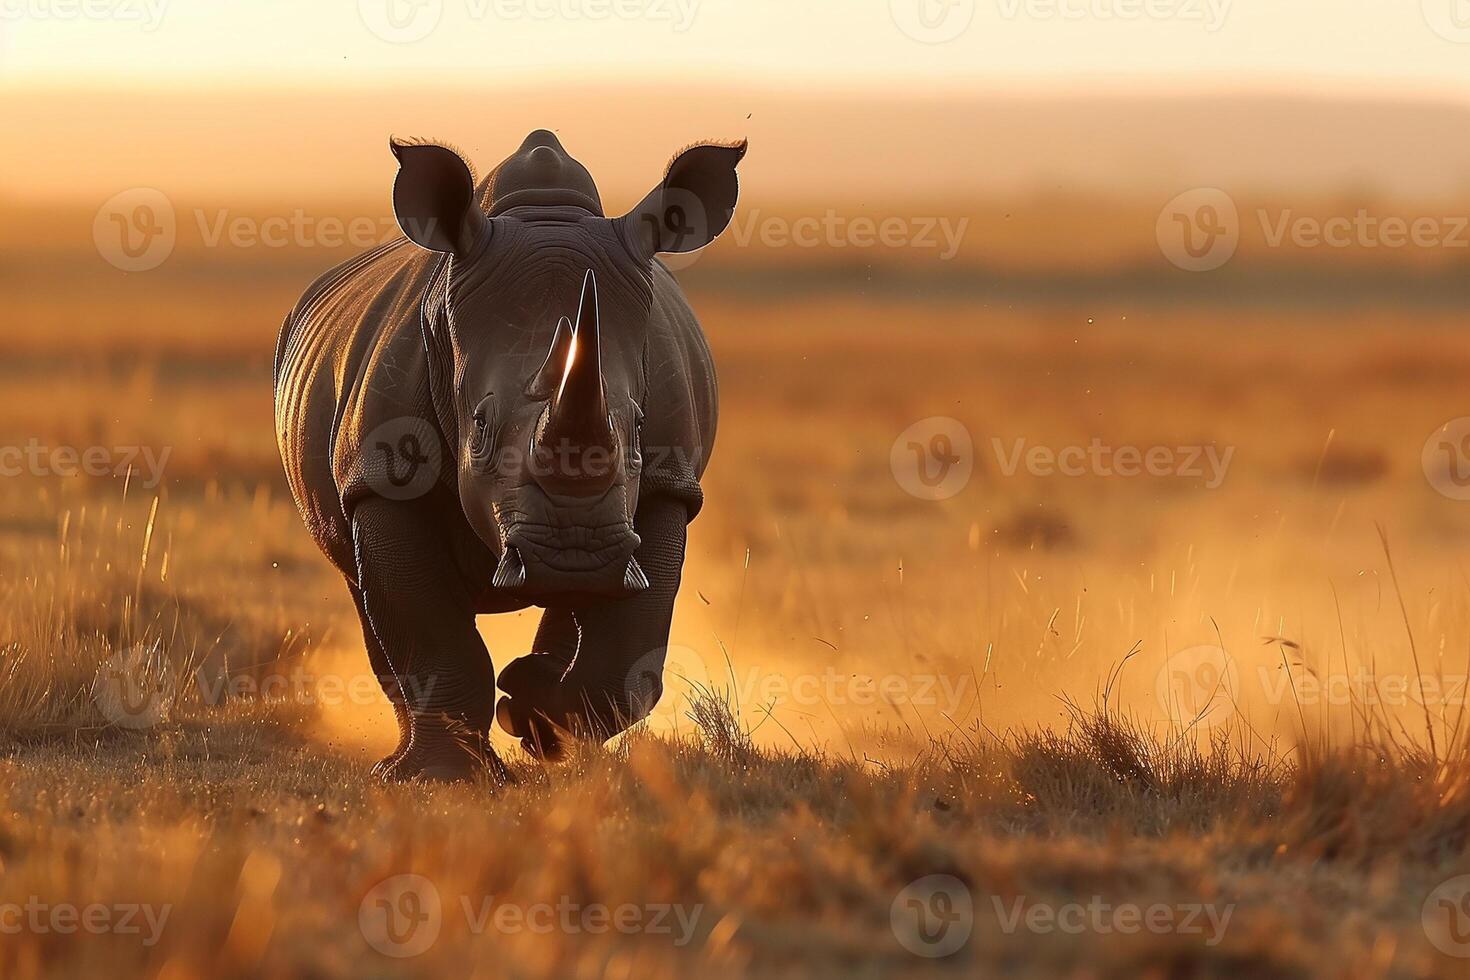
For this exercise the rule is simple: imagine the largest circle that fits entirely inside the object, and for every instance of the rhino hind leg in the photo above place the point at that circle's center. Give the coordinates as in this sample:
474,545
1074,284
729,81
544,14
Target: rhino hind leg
615,676
383,670
426,626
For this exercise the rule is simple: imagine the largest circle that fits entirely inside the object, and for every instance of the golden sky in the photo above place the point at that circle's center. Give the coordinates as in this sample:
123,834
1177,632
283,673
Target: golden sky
862,98
826,43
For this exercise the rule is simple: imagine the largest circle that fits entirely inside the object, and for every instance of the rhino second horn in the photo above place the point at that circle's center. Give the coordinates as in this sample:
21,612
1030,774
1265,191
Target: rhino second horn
511,573
545,381
634,579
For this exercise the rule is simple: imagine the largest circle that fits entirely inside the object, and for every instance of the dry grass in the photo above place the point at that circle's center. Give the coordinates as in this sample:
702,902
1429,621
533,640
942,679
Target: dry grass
264,846
784,862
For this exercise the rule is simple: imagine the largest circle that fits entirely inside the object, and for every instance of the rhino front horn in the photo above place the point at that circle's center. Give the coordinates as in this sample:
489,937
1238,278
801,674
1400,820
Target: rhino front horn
580,404
576,434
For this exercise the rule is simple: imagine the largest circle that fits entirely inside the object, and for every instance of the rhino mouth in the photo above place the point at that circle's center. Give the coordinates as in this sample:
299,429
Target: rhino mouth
557,547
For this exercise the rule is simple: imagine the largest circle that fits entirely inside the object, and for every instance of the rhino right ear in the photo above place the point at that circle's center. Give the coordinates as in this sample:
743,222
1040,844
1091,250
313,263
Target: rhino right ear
693,204
434,198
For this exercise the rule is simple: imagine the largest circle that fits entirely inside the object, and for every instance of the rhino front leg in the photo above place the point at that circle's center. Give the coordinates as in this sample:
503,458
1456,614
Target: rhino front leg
615,676
421,614
383,670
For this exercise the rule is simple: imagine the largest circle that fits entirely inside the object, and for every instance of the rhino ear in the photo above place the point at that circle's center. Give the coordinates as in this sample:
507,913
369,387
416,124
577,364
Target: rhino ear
434,198
693,204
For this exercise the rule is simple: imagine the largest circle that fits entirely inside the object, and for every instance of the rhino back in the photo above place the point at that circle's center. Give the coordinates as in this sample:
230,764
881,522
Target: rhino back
350,361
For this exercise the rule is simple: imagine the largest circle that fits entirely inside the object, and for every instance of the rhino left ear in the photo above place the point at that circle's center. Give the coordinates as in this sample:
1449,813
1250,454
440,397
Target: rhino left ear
693,204
434,198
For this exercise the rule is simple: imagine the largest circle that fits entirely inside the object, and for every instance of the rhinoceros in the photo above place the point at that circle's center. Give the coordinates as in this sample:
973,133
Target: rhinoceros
511,405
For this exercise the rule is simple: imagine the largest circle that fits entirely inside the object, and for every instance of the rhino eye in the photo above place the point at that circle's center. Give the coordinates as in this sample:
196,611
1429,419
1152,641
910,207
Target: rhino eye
482,432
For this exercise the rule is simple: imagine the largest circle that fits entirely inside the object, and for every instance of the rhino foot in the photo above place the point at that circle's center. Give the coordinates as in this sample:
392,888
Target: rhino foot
541,737
452,762
537,708
547,710
386,764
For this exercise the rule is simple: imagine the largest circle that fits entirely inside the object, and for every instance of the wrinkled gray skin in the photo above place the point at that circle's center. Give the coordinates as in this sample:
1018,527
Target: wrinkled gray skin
511,406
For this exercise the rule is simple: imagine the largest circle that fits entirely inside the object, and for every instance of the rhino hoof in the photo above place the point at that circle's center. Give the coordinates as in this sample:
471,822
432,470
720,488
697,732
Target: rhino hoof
539,736
444,765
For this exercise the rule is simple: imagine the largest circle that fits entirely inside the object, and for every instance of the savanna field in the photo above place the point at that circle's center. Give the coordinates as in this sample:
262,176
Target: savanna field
1206,720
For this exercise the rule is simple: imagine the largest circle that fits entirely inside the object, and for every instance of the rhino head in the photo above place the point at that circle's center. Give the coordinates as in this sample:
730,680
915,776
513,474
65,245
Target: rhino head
537,336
